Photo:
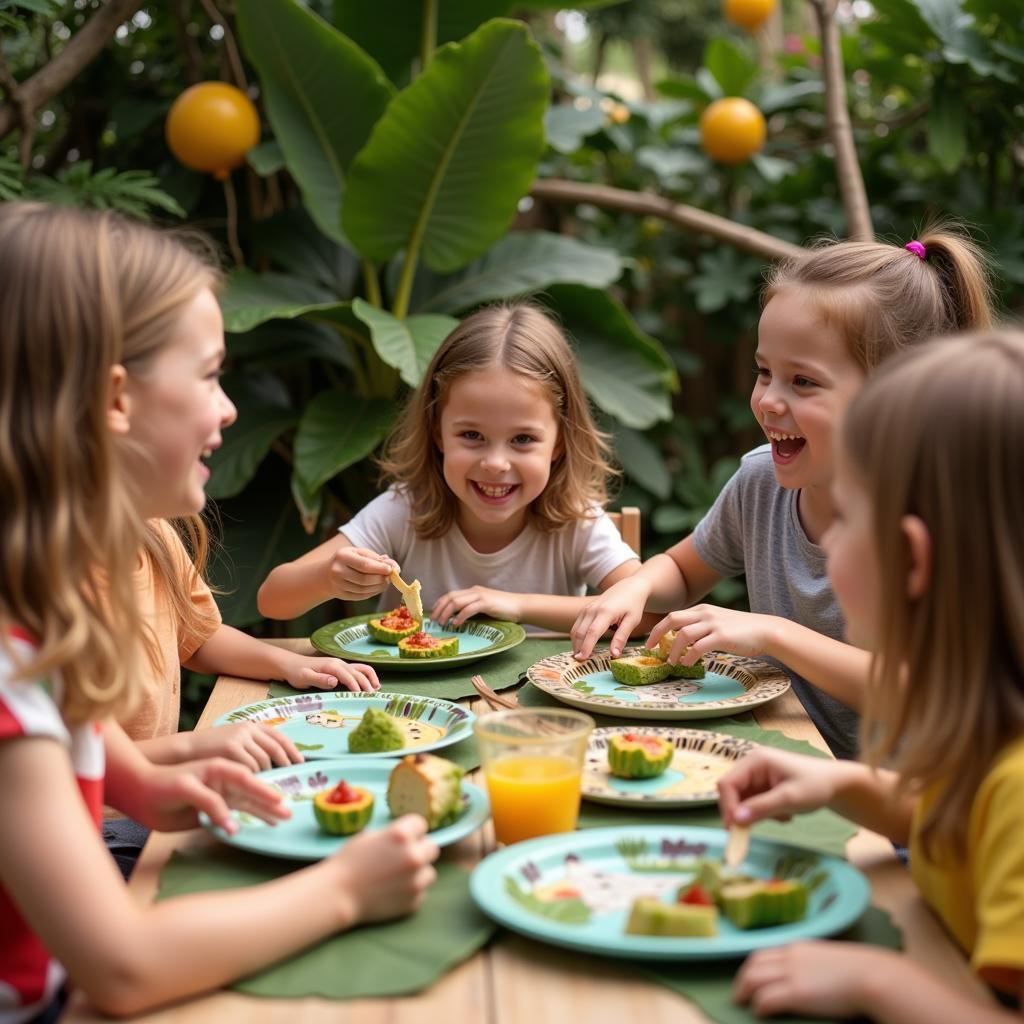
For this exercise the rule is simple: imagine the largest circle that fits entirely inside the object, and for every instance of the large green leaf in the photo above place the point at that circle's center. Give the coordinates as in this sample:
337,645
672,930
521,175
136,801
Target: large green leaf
248,299
947,124
626,372
732,68
408,345
454,152
323,95
263,415
566,127
522,263
642,461
336,431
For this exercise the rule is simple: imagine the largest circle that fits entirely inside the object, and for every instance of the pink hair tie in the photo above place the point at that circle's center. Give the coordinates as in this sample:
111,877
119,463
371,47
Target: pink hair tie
917,248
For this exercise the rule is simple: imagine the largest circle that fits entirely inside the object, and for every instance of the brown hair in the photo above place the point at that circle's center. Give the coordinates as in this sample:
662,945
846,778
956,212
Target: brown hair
80,291
521,338
948,677
883,297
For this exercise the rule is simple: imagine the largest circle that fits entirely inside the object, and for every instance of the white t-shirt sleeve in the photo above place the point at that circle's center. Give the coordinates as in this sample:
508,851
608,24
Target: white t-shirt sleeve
381,526
599,549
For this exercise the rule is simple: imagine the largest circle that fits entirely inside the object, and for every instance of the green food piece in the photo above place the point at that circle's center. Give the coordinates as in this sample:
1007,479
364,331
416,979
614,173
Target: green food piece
441,647
760,903
639,670
694,671
426,785
376,732
391,633
636,756
650,916
343,819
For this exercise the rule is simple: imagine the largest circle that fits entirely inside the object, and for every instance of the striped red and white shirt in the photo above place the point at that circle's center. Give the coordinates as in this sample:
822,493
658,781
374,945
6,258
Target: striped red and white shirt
29,976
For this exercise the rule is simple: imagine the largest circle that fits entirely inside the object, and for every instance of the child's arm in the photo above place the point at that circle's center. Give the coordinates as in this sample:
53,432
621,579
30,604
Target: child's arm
130,957
672,580
834,980
836,668
777,784
334,569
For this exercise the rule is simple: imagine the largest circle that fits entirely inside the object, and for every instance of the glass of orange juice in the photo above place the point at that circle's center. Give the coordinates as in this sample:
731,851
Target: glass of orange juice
533,763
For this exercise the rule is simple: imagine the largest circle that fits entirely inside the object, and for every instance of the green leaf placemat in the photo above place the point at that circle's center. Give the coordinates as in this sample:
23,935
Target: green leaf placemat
393,959
822,830
501,671
709,983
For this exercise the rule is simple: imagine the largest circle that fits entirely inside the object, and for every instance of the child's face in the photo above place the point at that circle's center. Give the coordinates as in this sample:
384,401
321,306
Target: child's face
805,379
498,434
853,563
177,411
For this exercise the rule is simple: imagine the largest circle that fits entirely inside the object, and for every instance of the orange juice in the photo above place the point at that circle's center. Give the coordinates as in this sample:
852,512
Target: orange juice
533,795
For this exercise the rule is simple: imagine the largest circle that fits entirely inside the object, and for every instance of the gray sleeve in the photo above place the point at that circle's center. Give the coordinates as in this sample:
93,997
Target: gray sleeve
380,526
718,537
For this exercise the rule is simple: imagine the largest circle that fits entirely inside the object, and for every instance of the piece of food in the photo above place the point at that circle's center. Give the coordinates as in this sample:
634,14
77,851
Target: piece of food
423,645
759,903
637,756
393,626
376,732
737,845
695,671
695,895
426,785
343,810
712,875
650,916
410,595
639,670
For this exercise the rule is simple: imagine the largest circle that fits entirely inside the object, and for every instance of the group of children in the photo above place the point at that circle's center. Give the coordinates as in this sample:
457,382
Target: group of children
878,529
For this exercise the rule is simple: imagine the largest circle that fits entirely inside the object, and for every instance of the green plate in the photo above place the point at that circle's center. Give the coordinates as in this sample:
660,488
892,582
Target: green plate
300,838
478,638
318,723
576,890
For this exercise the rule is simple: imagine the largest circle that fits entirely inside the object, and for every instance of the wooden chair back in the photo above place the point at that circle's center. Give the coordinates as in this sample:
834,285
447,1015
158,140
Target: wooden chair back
628,524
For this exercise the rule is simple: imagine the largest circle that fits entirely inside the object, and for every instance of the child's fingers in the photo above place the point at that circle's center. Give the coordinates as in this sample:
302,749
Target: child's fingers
369,562
281,749
622,633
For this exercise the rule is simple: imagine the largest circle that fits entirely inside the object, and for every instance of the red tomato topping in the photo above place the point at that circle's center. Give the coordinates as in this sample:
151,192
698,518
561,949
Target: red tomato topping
650,743
420,640
343,793
696,895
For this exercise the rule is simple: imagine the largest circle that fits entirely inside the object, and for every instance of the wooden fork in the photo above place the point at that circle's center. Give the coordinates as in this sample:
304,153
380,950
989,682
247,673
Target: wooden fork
495,700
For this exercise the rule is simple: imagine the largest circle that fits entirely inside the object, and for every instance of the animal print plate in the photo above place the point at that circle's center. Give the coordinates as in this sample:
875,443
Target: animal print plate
732,683
319,723
576,889
700,759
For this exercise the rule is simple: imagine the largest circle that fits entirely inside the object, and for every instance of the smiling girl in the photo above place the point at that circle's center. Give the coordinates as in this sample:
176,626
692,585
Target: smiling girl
830,317
498,480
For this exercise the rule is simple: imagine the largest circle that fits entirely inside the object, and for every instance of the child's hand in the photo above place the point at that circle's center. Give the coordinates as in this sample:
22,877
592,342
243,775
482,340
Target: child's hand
174,794
706,627
386,873
355,574
459,605
621,605
256,746
819,979
775,784
305,672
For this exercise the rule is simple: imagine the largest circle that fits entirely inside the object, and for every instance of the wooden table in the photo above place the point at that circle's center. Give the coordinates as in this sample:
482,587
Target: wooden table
514,980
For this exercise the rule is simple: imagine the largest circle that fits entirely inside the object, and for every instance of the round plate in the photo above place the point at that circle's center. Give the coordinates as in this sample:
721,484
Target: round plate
732,683
319,723
701,758
300,838
576,889
478,638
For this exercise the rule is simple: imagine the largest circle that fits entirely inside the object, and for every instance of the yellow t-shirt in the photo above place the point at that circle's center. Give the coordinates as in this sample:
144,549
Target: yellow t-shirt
157,711
981,899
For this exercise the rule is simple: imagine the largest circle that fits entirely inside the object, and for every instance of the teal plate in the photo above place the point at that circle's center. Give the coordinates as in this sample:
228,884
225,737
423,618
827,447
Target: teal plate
478,638
318,723
300,838
576,889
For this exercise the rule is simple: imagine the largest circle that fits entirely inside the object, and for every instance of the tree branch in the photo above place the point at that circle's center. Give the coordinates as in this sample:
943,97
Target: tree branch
848,174
648,204
230,47
15,96
80,51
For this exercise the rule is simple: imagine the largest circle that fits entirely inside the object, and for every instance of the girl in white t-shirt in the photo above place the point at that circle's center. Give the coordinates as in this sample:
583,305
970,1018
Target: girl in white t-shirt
498,481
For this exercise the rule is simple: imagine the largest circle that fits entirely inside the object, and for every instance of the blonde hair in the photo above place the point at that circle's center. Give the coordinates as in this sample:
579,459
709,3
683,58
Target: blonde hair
520,338
882,297
948,678
80,291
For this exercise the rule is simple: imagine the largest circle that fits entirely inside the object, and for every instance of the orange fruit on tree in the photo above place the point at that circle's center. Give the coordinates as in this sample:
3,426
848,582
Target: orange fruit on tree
748,14
211,126
731,130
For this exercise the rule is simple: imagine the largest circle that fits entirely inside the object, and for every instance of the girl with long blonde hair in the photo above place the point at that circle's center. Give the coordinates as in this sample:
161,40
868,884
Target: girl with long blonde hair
926,556
74,287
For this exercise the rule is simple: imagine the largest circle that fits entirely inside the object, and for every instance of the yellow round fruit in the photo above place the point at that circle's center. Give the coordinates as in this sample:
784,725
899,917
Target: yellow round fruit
748,14
211,126
731,130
